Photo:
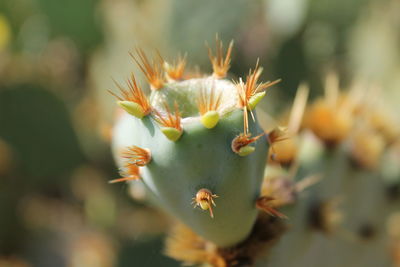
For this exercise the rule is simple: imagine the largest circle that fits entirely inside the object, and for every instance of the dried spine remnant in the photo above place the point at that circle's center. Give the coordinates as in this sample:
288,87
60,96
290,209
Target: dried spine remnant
170,123
241,144
205,200
133,100
251,92
174,71
129,172
137,156
220,64
208,105
153,71
263,203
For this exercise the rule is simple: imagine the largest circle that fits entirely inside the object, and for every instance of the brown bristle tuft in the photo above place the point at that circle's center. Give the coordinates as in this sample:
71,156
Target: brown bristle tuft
153,71
134,94
168,119
220,64
243,140
205,200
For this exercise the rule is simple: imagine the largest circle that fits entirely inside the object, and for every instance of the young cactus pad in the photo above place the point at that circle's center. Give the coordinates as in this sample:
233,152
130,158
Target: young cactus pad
197,172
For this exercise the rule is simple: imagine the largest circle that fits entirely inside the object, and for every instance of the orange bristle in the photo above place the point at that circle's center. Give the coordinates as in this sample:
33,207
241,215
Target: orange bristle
251,87
248,89
168,119
133,94
176,69
208,102
137,156
153,71
131,173
243,102
220,64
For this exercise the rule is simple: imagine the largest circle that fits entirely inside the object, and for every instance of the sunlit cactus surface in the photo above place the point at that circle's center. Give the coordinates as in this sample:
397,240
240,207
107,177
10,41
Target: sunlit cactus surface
195,143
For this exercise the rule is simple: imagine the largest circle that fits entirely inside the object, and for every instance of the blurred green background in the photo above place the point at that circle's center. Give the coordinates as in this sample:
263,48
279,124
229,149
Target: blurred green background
58,59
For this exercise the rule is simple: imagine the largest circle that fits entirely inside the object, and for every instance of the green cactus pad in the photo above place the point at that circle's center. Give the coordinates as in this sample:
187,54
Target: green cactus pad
200,158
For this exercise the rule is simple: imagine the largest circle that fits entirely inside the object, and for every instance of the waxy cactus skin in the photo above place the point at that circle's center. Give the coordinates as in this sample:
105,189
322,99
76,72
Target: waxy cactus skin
203,136
202,158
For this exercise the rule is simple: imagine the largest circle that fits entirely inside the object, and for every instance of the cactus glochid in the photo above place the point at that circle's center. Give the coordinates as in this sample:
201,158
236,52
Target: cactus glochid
196,142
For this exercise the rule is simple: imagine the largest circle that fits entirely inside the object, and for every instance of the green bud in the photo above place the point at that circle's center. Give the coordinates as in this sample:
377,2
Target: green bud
255,99
210,119
132,108
171,133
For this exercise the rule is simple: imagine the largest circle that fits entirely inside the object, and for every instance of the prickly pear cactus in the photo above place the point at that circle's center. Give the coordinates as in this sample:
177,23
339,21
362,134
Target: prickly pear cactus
196,145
